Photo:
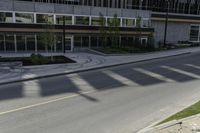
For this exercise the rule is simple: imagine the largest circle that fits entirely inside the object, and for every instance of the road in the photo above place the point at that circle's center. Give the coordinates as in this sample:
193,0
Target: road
121,99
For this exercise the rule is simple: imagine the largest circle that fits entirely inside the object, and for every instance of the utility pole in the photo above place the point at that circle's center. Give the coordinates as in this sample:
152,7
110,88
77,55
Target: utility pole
166,22
64,35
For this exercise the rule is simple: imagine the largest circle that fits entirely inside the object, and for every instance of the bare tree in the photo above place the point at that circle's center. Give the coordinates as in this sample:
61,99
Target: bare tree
114,31
103,30
48,37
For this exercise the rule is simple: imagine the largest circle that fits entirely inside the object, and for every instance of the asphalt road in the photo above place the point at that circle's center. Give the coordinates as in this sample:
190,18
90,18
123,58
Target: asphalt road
121,99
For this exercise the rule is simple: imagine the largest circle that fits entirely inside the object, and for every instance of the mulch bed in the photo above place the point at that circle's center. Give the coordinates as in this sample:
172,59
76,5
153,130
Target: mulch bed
26,61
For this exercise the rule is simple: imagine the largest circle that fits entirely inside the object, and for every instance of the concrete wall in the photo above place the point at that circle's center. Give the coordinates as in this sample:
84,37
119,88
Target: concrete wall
10,5
176,31
6,5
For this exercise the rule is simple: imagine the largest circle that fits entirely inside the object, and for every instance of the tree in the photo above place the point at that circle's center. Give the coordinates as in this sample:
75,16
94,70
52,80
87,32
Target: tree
114,31
48,37
103,30
139,30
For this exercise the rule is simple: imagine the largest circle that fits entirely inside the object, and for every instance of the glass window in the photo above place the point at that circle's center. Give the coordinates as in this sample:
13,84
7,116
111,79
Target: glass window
81,20
10,45
77,41
59,19
194,33
1,42
6,17
44,18
129,22
30,42
24,18
110,21
85,41
96,21
94,42
41,46
21,43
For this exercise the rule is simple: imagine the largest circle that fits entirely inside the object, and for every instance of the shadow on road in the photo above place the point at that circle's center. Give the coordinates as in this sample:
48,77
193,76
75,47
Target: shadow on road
144,74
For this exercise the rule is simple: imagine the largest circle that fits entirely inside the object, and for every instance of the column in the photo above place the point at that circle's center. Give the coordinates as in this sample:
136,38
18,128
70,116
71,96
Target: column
4,42
35,18
89,41
120,41
72,44
36,50
55,44
25,42
15,42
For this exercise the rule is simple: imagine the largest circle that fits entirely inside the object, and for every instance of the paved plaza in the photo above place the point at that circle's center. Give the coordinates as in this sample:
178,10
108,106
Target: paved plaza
84,61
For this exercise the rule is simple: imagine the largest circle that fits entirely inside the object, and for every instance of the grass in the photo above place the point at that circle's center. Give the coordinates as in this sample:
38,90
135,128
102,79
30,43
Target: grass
192,110
26,61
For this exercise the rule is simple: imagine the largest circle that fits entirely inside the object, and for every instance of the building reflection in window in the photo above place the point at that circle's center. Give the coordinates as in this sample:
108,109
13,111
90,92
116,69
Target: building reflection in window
24,18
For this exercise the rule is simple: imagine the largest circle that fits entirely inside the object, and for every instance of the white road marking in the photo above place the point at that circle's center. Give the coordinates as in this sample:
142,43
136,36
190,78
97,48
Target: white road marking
44,103
120,78
81,84
27,76
154,75
182,72
194,66
31,88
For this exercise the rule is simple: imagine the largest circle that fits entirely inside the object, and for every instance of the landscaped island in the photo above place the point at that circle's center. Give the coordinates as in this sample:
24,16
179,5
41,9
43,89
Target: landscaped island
37,59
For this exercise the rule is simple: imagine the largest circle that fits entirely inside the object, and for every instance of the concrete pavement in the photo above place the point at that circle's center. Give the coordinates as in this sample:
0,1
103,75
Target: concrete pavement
85,61
186,125
121,99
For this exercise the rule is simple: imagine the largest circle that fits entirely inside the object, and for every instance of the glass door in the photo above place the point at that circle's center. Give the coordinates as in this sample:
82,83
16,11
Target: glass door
144,41
2,42
68,43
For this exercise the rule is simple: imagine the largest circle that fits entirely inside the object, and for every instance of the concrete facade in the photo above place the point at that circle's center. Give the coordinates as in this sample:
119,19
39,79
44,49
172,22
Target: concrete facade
172,35
179,25
10,5
177,31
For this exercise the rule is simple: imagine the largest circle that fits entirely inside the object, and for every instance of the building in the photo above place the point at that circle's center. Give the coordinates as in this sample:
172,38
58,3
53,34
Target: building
22,22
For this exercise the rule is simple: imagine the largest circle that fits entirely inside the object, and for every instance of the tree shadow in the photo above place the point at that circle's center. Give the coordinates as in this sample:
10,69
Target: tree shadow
11,91
101,81
61,85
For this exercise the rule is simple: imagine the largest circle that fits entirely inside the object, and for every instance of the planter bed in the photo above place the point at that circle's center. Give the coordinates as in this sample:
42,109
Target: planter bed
26,61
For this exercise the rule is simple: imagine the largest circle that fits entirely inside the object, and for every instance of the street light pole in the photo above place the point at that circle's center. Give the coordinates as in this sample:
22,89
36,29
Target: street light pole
64,34
166,23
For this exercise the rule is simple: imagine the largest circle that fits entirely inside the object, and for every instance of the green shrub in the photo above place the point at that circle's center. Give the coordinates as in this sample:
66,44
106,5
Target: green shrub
38,59
34,59
43,60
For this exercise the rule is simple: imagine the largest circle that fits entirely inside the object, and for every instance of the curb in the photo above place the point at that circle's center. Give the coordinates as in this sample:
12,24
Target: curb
152,128
128,54
90,69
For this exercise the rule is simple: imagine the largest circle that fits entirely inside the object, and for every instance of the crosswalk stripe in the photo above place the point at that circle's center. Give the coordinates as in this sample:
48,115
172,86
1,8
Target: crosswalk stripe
120,78
82,84
182,72
31,88
154,75
194,66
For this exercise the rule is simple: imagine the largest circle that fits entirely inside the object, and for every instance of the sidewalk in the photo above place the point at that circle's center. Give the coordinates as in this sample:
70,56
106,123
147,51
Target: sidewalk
186,125
85,61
